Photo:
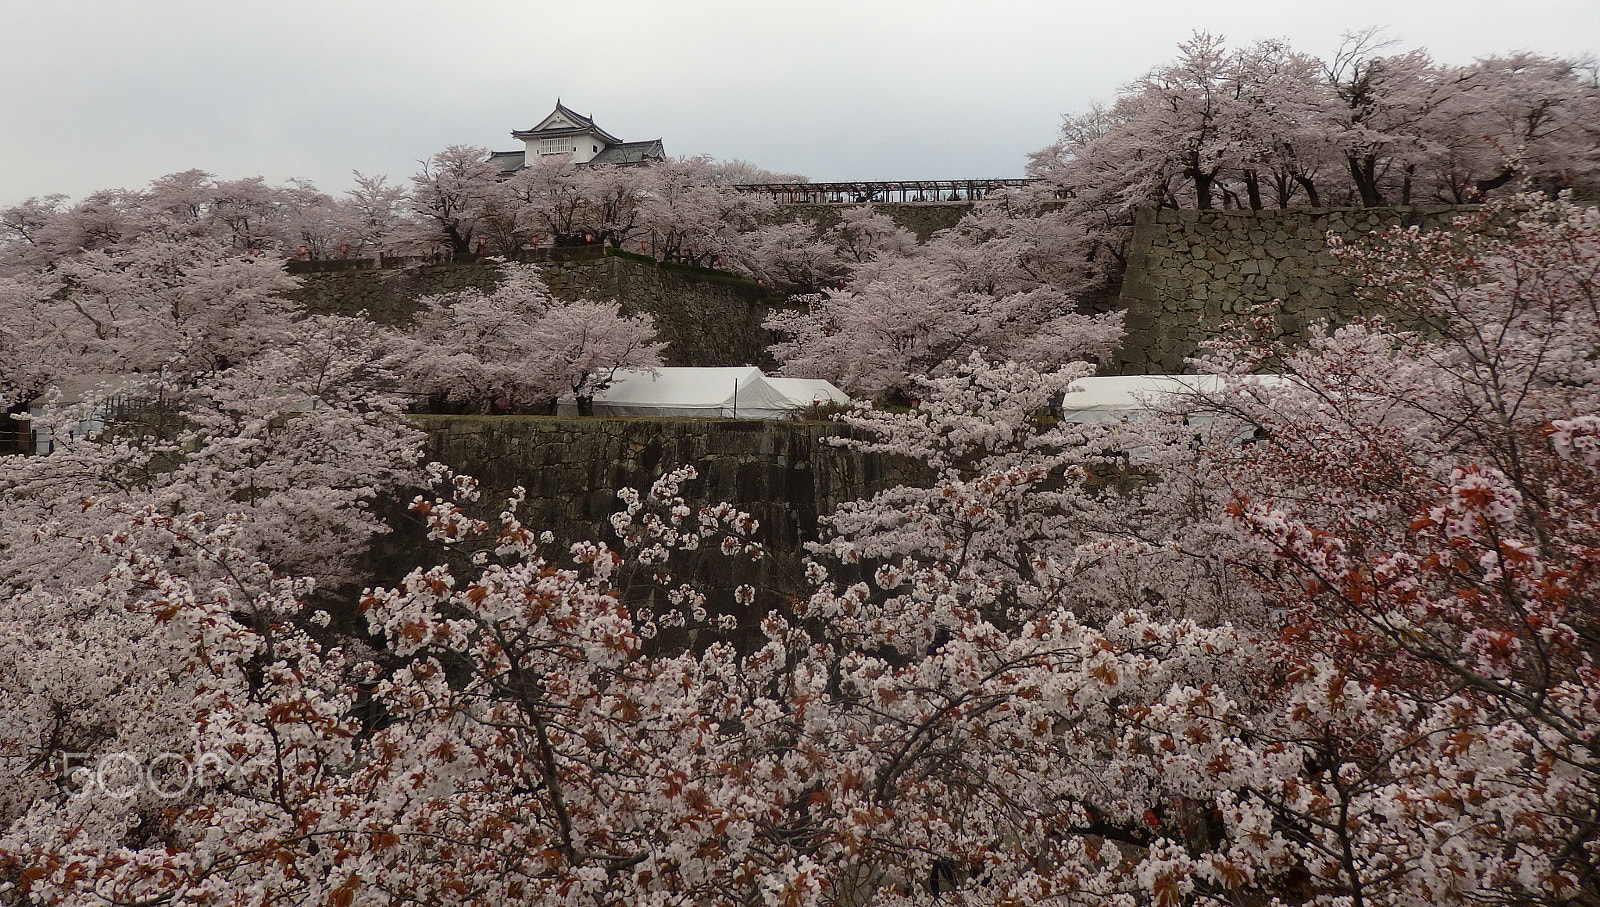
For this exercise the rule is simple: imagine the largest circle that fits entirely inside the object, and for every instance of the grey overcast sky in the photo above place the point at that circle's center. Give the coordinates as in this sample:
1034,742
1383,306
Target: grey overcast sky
114,93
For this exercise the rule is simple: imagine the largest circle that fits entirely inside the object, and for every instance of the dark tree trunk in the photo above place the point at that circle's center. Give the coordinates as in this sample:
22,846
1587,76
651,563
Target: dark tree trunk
1282,188
1364,171
1252,188
1312,198
1202,191
1496,181
1202,181
460,246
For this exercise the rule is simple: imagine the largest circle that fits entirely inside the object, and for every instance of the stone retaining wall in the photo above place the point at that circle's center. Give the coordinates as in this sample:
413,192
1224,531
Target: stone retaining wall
1188,271
922,218
572,467
783,473
706,318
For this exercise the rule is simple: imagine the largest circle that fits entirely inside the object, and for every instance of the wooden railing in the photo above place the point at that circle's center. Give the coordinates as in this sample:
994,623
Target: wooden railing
883,191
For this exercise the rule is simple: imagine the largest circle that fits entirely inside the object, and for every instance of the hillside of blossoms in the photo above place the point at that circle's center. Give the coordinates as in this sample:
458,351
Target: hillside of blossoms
1320,631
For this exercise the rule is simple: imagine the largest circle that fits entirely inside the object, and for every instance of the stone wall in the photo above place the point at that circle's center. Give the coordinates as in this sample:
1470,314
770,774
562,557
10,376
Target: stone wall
1190,270
389,296
572,467
922,218
783,473
706,318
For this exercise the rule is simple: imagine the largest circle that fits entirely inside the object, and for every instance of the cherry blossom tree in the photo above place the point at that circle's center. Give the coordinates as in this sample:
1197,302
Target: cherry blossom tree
585,344
250,211
864,234
794,256
1204,130
568,205
1388,106
519,347
1180,136
871,338
1280,109
375,211
170,303
128,711
1348,663
1038,509
800,256
945,726
245,215
315,225
1420,508
453,192
738,172
1425,504
1101,190
692,220
548,201
179,306
297,444
1534,121
30,334
152,660
1363,127
30,233
224,399
318,804
37,233
1265,125
1185,108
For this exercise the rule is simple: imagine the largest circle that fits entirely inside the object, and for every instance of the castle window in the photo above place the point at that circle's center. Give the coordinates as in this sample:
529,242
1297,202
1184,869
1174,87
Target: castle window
557,146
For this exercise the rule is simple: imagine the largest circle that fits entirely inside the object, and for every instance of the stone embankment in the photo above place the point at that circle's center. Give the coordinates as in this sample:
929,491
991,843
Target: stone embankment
1190,271
785,474
705,317
922,218
572,467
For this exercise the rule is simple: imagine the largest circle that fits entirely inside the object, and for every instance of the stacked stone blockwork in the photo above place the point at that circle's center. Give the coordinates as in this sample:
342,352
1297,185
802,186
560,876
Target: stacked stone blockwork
1189,271
706,318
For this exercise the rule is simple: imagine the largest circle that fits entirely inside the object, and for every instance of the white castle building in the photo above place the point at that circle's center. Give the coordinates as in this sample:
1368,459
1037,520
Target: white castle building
567,132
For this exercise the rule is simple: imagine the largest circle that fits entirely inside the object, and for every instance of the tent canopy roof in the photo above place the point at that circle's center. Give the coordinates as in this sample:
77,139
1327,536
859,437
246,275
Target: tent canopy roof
728,392
1116,396
810,391
1124,393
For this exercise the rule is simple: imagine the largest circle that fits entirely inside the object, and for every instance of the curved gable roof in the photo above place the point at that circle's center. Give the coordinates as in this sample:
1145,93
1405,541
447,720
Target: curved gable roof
564,121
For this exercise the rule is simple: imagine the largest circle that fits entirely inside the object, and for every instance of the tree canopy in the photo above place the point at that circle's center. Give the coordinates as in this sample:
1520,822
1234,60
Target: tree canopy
1323,635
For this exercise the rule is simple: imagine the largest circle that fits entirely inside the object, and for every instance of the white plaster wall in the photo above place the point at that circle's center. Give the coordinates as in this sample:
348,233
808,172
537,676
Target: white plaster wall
588,145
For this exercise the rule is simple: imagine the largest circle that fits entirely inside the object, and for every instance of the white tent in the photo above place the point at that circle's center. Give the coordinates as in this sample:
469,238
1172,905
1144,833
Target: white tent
808,392
741,392
1126,397
1098,398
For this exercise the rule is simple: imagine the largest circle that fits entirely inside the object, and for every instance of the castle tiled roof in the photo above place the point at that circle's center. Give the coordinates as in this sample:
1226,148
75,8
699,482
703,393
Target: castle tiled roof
508,161
581,125
631,153
566,123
